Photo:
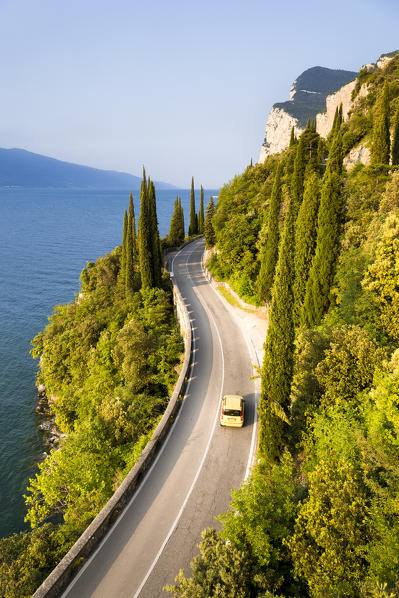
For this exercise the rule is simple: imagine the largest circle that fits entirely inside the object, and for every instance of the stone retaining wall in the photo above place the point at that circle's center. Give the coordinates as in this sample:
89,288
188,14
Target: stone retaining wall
59,578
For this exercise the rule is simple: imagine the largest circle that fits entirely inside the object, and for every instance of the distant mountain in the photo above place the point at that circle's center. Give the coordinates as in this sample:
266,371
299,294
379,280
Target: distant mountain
20,168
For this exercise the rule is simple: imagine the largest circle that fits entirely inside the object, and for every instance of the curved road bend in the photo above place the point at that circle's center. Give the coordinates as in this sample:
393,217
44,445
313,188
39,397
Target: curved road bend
190,482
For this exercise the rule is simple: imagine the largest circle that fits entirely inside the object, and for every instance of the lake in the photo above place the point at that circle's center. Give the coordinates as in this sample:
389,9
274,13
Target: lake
46,238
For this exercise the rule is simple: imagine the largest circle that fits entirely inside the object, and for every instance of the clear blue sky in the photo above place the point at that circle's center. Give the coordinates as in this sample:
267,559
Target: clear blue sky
183,87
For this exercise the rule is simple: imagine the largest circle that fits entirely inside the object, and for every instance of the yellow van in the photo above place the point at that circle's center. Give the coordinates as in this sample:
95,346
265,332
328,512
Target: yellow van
232,411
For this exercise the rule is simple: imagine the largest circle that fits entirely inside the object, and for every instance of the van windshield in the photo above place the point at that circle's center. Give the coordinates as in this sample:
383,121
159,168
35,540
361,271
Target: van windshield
232,412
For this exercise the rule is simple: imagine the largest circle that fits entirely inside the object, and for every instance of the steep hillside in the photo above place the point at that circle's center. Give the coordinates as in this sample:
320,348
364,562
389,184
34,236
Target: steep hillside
319,244
20,168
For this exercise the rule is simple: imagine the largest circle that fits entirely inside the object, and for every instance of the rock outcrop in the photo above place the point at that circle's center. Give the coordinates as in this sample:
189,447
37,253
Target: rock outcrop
307,98
360,153
325,119
278,132
51,434
343,96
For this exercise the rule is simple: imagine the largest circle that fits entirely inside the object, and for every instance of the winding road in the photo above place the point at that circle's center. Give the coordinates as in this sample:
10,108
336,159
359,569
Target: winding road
191,478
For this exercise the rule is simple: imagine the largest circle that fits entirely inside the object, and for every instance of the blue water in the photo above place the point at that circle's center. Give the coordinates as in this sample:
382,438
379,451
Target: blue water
46,238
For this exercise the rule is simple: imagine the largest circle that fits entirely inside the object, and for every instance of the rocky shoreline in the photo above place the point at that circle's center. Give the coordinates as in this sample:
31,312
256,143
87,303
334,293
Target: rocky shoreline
51,434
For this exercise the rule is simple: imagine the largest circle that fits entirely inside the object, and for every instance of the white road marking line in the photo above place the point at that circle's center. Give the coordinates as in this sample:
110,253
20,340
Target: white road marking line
254,427
176,521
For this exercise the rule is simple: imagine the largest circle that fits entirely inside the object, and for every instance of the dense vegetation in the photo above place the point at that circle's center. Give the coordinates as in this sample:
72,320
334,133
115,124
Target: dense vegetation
320,515
108,363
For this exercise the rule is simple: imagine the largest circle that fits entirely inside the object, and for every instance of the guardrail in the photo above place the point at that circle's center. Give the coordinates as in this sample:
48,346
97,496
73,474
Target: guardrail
59,578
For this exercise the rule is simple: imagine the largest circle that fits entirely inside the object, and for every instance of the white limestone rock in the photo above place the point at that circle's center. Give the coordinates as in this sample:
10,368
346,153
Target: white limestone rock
278,133
324,121
343,96
383,61
357,155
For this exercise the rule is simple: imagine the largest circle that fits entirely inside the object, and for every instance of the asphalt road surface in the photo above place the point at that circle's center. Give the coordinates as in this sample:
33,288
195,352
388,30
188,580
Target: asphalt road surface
190,482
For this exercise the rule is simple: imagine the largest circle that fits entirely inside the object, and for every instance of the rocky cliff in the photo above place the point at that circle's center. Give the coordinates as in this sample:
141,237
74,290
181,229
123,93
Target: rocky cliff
278,132
316,94
307,98
324,120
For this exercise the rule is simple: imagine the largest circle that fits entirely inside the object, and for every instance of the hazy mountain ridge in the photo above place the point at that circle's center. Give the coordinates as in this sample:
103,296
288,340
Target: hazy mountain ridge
21,168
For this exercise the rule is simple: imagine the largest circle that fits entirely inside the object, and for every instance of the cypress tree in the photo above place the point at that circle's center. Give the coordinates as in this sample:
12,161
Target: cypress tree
172,236
277,369
201,213
310,140
289,161
321,154
322,271
129,263
395,139
192,229
305,241
133,225
340,116
156,261
334,125
209,232
182,233
175,233
335,156
380,145
144,238
270,248
337,122
298,175
293,138
124,238
122,270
